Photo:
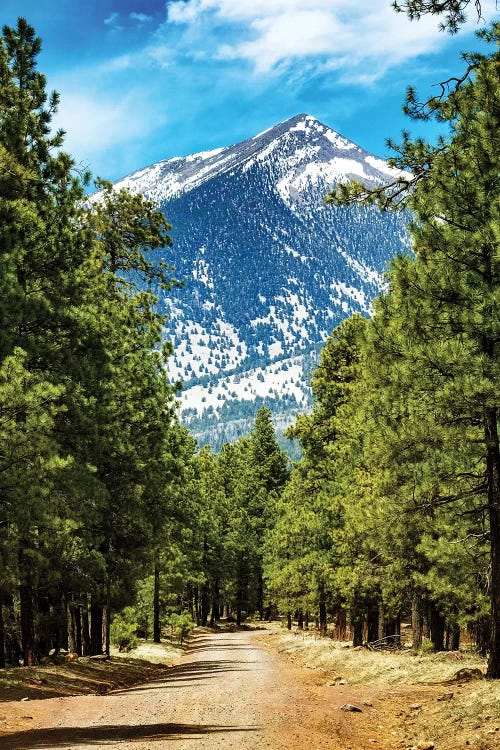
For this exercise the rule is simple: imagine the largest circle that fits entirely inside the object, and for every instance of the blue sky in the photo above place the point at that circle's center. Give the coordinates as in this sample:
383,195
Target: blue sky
144,80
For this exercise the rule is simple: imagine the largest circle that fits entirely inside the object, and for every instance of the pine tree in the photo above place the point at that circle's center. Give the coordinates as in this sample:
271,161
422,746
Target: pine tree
446,301
41,251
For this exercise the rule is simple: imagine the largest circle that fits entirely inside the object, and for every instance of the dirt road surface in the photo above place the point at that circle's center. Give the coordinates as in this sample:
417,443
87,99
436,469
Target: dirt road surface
229,691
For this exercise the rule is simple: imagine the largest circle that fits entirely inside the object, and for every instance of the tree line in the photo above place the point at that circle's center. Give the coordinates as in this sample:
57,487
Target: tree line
394,509
89,439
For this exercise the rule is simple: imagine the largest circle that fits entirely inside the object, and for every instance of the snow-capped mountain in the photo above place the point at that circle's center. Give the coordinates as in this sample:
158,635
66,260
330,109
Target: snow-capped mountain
269,270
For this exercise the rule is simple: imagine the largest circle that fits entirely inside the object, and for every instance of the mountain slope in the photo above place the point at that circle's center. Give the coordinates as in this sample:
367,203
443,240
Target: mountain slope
269,271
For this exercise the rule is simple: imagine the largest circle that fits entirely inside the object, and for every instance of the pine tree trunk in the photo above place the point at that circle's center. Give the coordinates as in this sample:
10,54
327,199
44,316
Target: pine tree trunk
416,620
61,629
260,594
27,627
215,603
95,627
196,607
106,618
322,611
357,637
205,603
373,622
77,614
300,620
26,604
482,630
70,608
156,605
341,624
454,637
437,625
493,473
86,642
381,623
289,620
190,598
2,633
42,633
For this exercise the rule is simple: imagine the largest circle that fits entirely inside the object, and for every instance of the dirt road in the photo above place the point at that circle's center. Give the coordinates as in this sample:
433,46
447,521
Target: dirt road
227,692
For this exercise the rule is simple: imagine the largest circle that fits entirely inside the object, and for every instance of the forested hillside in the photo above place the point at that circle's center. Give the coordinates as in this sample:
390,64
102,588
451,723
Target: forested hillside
115,525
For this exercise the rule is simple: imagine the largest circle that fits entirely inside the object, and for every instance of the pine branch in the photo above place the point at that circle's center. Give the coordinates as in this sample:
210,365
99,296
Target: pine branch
453,10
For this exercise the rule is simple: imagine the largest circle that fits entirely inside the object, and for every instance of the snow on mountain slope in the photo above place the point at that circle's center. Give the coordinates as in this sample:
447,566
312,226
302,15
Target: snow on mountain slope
269,270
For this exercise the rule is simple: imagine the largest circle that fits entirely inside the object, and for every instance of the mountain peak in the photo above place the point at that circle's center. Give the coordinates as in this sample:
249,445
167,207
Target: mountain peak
299,146
308,125
269,270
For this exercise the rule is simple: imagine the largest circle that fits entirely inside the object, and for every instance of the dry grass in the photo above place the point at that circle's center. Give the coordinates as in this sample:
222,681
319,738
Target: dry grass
155,653
85,675
376,667
469,719
473,714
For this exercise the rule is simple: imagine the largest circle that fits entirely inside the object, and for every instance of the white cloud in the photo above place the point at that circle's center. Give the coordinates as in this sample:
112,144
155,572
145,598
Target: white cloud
337,33
112,21
141,18
97,123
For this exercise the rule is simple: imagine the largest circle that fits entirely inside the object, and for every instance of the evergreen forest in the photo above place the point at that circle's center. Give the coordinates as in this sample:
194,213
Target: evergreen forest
114,525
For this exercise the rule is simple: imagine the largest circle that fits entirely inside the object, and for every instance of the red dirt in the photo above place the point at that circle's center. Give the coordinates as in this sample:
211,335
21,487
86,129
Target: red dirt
230,690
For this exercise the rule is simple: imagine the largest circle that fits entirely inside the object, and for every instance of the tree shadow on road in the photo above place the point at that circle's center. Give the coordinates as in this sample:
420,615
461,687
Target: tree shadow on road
37,739
187,675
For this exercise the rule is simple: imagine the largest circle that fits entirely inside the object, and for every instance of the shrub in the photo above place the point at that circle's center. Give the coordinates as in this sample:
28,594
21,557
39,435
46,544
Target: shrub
181,625
123,630
426,647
